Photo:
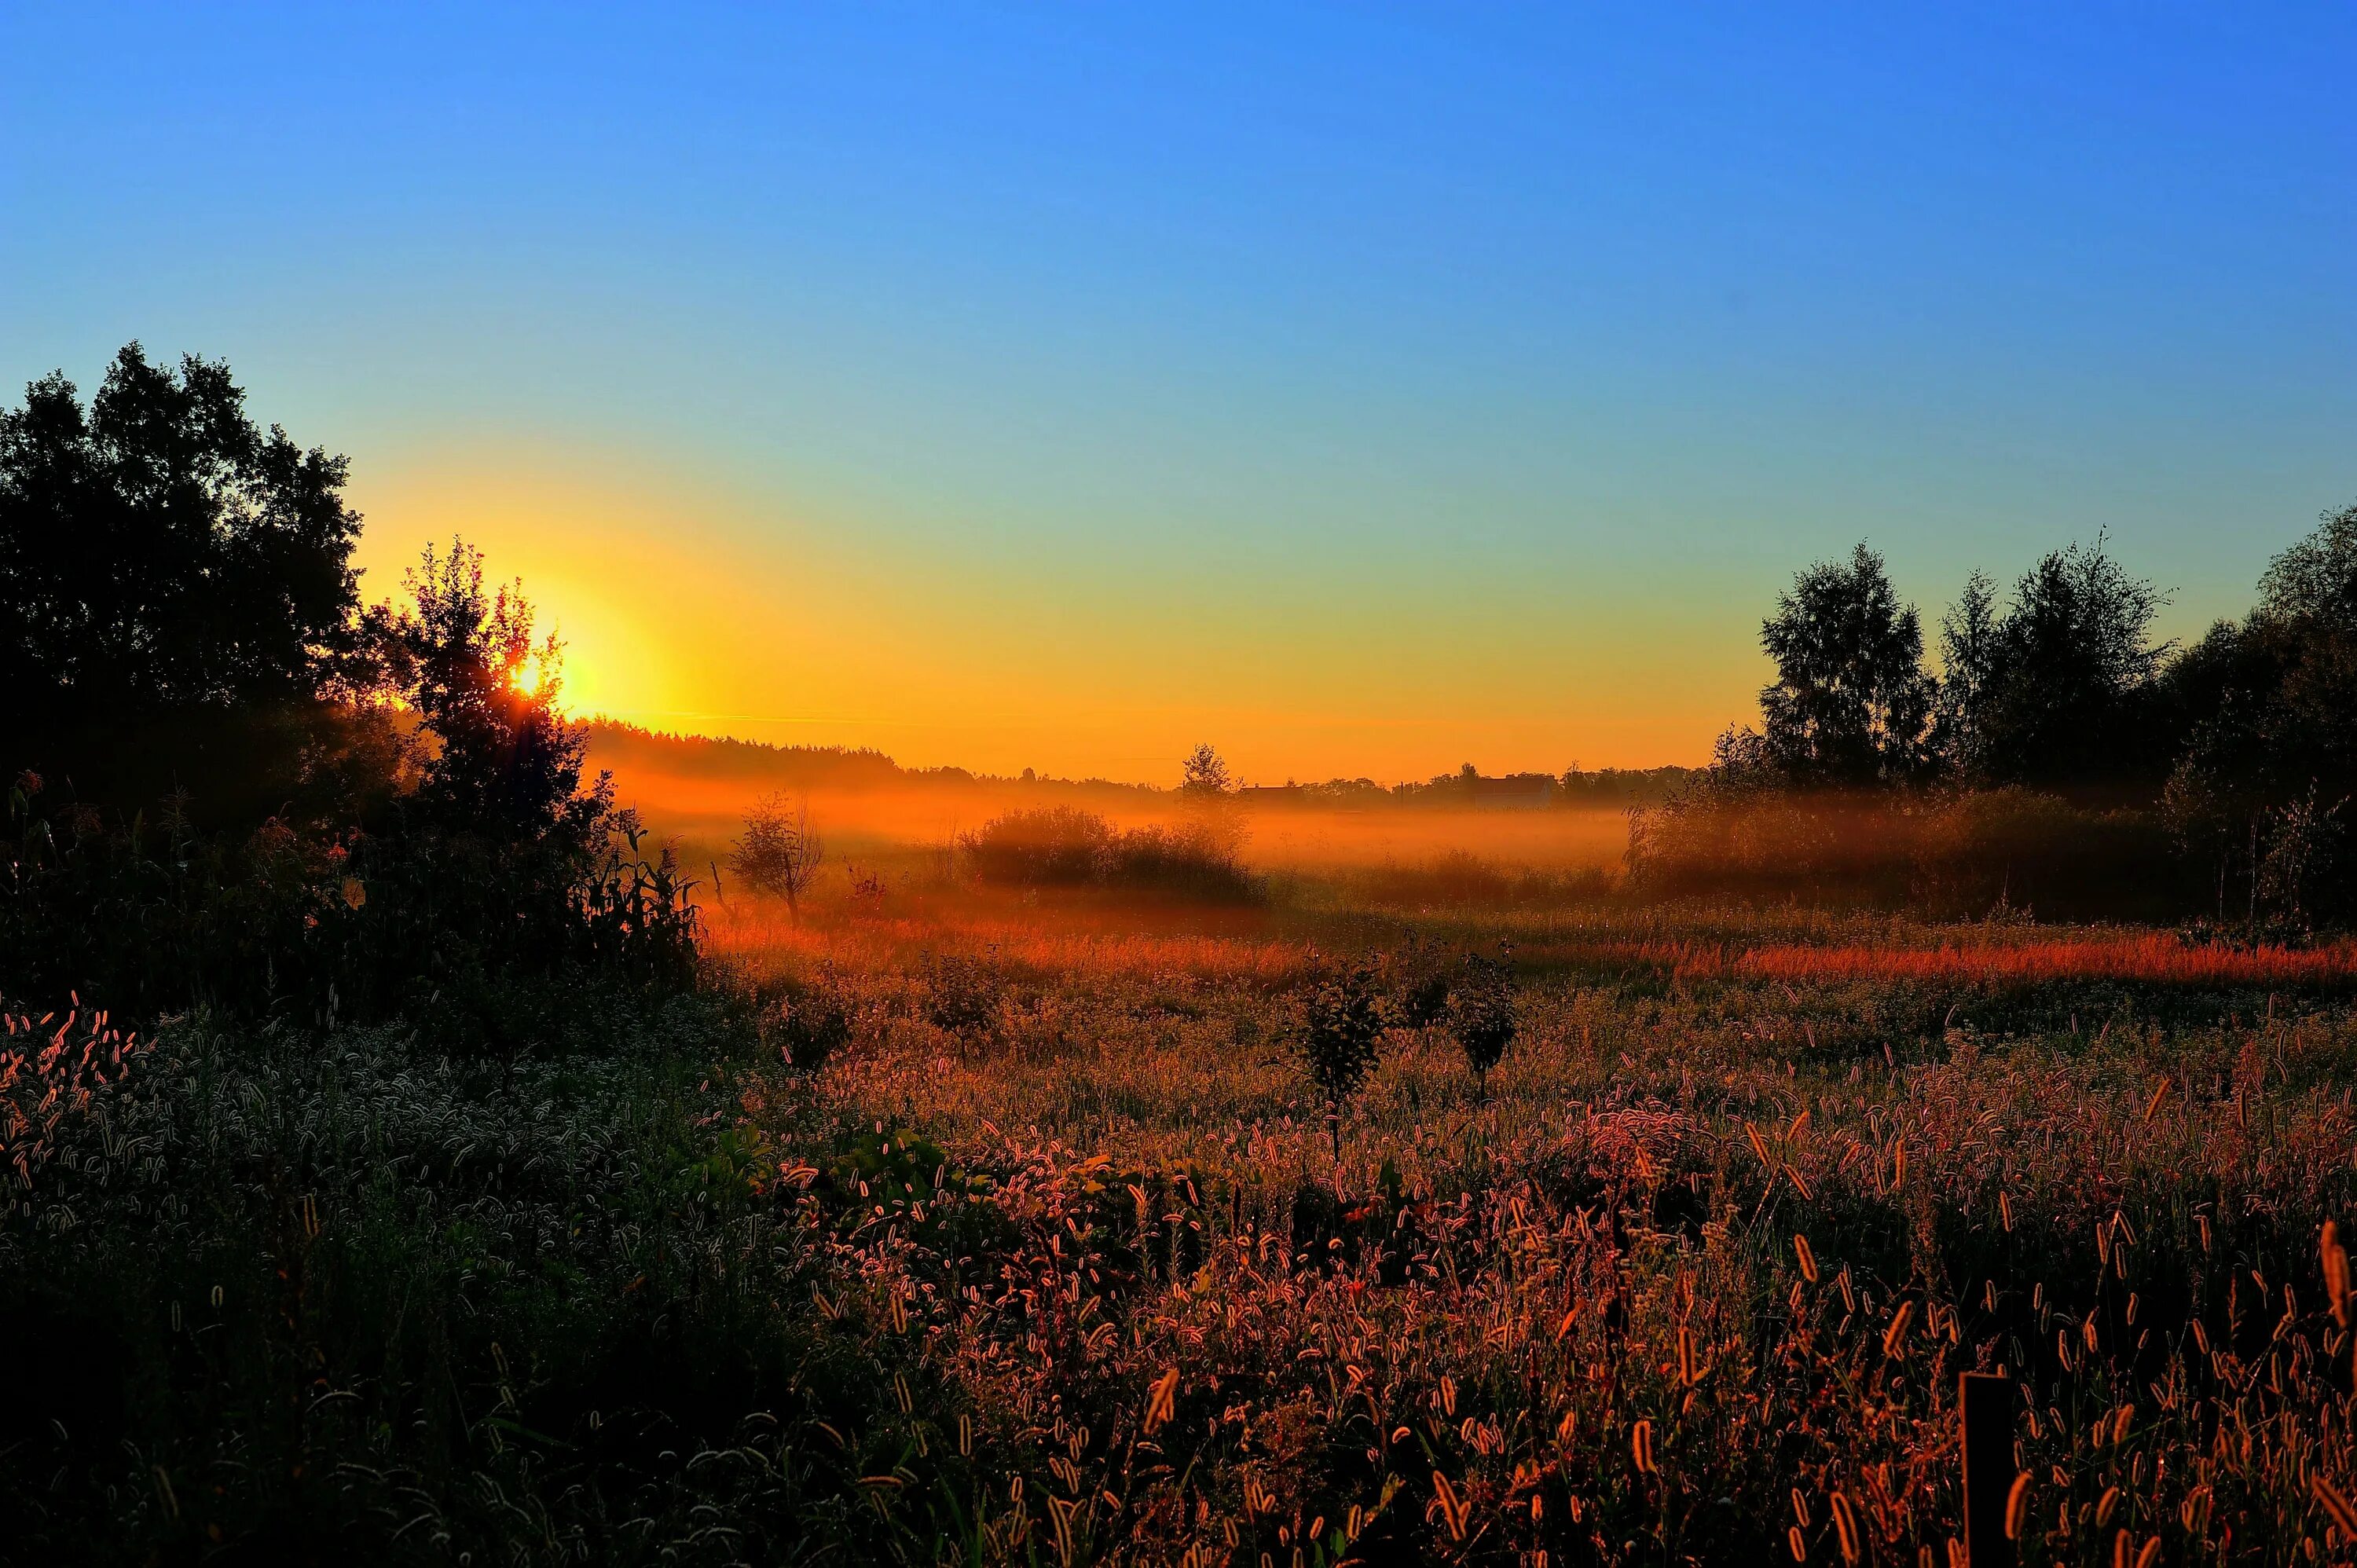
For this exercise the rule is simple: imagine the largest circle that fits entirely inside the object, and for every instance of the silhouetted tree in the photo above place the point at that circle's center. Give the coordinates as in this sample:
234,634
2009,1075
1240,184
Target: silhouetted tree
1851,703
779,852
1968,669
2305,630
1339,1033
2266,710
157,551
502,762
2060,682
1480,1012
1205,772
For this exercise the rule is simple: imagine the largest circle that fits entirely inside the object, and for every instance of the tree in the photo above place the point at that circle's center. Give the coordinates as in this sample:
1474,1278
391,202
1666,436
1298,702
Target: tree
1204,773
778,853
2265,717
1480,1012
2306,622
1968,664
159,553
176,601
2302,842
1851,705
1339,1033
2063,695
501,761
1215,816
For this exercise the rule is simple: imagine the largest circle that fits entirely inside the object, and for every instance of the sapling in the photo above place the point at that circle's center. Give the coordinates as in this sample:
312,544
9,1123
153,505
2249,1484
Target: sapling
780,854
1340,1034
1482,1012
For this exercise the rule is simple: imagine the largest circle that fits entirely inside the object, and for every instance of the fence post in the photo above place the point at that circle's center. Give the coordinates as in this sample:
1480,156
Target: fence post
1985,1403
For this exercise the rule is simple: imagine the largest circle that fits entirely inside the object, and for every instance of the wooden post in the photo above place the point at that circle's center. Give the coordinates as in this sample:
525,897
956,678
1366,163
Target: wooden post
1985,1403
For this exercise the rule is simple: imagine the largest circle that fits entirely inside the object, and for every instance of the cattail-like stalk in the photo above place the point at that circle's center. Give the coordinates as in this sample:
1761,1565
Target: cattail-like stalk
1845,1526
2335,1503
2336,1272
1896,1334
2017,1507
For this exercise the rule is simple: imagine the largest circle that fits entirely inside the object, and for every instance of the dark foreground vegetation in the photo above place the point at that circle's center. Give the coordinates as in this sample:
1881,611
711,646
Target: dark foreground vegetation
2058,757
398,1169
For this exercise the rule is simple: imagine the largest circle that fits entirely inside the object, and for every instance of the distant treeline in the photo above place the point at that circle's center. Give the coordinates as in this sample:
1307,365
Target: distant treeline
627,749
2056,743
1613,789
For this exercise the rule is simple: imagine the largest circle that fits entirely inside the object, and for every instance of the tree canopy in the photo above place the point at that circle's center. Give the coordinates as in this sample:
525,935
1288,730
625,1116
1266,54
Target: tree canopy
1851,703
159,553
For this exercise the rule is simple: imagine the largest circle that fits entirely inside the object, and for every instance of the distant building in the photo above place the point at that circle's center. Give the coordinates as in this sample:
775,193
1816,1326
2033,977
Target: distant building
1522,792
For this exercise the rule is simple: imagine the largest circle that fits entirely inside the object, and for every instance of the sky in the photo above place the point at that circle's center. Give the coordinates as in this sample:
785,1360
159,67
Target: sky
1365,389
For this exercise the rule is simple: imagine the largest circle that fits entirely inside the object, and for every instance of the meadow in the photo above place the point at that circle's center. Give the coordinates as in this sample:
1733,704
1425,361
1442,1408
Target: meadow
953,1222
417,1146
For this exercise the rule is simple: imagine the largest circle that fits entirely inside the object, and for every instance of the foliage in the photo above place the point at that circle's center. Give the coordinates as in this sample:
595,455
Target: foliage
489,885
1064,846
779,852
159,552
2059,693
1948,854
480,936
503,763
1851,703
350,1297
1050,846
1482,1010
1340,1019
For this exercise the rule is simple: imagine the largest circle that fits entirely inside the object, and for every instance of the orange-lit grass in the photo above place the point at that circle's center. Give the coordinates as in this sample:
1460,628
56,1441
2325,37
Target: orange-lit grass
1055,935
2143,959
1565,1365
1088,939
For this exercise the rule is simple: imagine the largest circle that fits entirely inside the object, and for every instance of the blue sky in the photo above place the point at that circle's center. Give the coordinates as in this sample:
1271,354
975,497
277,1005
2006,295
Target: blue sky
1369,386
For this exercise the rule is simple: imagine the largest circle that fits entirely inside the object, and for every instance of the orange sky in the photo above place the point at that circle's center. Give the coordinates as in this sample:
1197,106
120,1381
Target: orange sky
685,607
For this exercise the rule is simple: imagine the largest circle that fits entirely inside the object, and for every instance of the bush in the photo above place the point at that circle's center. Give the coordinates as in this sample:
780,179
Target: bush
159,916
1062,846
1052,846
1481,1011
1192,859
1950,854
1339,1025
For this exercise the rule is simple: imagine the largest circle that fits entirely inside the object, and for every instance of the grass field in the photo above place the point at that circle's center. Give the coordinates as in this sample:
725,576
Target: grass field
1689,1277
952,1224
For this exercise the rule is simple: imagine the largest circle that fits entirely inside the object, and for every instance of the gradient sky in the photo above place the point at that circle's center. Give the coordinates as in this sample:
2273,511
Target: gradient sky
1366,389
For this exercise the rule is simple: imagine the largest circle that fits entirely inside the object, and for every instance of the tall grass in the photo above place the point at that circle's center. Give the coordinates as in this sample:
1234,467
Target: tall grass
938,1242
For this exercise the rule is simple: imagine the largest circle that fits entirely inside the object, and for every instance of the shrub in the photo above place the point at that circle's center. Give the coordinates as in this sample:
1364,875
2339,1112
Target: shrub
779,854
1051,846
1194,859
1064,846
1958,854
1338,1030
813,1023
161,916
1481,1011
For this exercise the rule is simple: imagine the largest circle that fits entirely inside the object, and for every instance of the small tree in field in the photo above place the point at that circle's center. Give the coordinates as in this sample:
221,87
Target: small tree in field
779,854
1339,1035
1205,773
1482,1012
1208,790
